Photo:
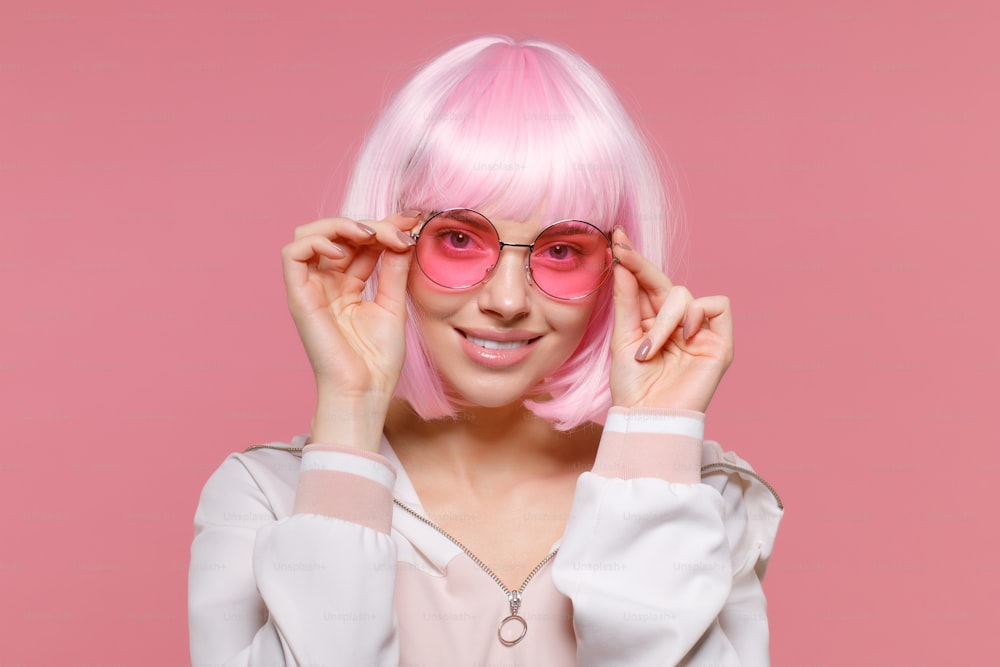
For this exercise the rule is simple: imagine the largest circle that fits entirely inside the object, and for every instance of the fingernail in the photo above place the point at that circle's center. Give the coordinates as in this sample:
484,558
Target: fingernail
406,238
365,228
643,350
339,250
625,246
411,213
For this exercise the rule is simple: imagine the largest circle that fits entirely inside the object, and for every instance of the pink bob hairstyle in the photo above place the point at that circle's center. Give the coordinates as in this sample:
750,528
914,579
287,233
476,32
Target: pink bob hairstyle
515,130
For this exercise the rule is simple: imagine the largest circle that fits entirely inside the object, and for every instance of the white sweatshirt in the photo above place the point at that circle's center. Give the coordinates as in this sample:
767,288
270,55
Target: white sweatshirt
318,555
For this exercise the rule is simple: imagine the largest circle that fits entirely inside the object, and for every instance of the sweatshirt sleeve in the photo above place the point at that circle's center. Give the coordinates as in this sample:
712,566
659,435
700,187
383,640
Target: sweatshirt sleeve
311,588
662,567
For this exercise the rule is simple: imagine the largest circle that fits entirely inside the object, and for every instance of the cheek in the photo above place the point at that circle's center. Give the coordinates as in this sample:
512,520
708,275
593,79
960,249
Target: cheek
575,321
420,290
596,311
431,302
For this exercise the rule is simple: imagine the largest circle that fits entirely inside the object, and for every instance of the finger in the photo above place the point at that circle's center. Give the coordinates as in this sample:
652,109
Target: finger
298,255
622,247
670,316
380,235
646,309
712,312
648,275
363,262
358,231
392,279
344,228
394,238
330,256
406,220
692,320
393,231
627,322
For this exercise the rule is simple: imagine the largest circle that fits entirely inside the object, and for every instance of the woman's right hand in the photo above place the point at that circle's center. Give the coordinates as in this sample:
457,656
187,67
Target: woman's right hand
355,347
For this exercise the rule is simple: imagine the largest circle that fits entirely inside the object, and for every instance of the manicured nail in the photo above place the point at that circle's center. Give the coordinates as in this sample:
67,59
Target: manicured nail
624,246
365,228
687,331
406,238
338,250
410,213
643,350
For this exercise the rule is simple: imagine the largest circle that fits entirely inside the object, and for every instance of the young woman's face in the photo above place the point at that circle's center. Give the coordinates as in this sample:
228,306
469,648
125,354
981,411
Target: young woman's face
493,343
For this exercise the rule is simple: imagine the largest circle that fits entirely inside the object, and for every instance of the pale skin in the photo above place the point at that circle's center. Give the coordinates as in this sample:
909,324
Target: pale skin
508,504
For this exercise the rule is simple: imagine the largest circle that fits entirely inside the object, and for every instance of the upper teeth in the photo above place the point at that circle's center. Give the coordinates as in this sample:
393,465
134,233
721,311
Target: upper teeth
496,344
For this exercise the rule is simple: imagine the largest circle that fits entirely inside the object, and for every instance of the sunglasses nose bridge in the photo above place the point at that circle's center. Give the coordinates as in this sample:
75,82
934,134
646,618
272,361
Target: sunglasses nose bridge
527,259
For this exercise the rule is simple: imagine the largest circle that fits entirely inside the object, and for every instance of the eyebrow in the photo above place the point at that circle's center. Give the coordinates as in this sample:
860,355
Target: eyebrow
471,220
577,229
464,215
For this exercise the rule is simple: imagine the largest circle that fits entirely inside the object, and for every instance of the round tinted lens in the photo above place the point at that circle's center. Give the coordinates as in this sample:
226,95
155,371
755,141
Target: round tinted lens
457,248
571,259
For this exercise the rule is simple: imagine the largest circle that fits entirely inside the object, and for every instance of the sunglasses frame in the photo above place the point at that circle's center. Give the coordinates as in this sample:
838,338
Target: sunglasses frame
527,263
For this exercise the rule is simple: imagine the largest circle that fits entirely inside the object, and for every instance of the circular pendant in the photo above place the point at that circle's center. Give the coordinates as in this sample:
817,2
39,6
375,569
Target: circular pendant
510,641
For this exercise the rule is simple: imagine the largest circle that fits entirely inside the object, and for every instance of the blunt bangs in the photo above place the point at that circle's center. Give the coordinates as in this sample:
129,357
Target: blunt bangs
514,140
518,132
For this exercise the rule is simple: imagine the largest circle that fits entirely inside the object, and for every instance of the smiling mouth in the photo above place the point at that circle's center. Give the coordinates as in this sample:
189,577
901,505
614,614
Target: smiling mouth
497,344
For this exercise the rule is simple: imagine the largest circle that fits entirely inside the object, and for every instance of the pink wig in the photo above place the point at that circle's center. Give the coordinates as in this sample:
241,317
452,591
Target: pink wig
515,129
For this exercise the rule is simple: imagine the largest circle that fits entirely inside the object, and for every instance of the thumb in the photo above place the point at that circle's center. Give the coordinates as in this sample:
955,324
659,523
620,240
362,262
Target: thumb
392,277
627,325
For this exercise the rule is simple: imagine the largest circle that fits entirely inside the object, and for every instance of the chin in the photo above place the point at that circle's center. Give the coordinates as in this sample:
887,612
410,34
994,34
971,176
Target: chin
487,399
489,396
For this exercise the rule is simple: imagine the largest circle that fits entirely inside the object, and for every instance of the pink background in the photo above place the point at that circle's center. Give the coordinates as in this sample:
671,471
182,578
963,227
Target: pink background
839,170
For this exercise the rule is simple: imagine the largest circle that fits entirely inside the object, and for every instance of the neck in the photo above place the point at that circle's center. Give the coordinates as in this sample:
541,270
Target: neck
481,445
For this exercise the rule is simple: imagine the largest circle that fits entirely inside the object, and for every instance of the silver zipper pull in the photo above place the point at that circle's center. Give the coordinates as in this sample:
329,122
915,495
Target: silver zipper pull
514,599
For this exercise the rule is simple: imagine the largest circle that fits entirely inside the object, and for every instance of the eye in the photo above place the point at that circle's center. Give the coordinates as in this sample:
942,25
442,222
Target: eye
560,251
455,238
458,243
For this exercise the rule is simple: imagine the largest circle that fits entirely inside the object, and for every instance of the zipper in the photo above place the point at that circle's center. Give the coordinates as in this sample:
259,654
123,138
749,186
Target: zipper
283,449
704,468
747,471
513,597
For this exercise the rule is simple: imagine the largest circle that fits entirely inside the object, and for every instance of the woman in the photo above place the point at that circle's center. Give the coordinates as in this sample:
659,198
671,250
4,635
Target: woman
506,463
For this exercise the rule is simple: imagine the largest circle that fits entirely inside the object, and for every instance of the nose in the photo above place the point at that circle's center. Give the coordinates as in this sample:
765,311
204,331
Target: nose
507,292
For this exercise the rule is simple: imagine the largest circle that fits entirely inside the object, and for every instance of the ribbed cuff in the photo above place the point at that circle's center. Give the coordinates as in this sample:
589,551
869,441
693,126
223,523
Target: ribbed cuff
663,443
346,483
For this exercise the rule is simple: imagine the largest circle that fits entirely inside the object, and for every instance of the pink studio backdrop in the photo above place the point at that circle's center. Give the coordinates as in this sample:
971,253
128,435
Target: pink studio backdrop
838,167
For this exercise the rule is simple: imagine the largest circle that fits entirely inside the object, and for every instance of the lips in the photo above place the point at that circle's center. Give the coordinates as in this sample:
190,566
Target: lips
496,344
499,339
497,349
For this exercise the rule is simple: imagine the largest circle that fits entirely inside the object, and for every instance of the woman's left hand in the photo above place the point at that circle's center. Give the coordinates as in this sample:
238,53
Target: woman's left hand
688,342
